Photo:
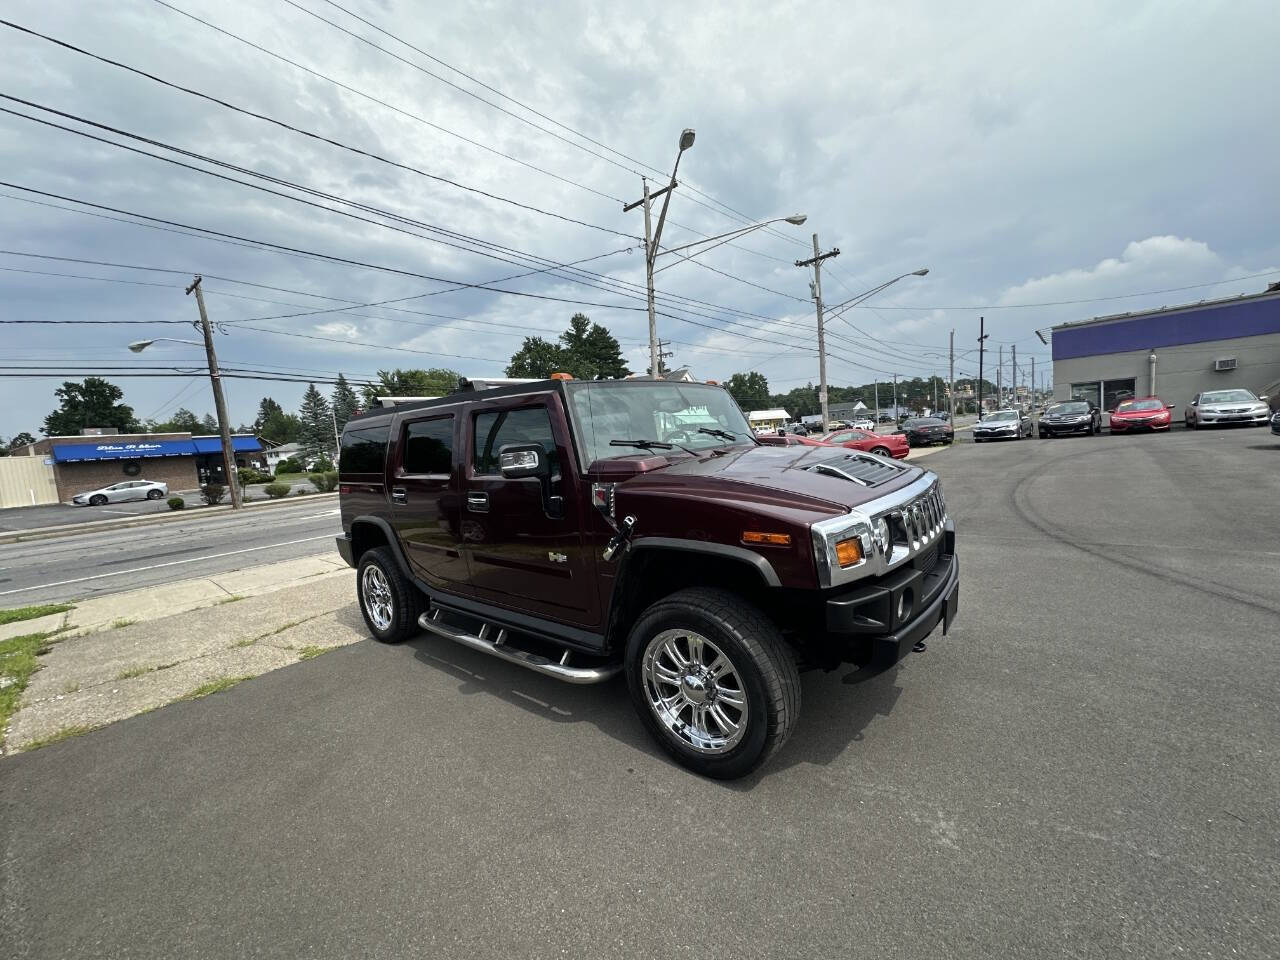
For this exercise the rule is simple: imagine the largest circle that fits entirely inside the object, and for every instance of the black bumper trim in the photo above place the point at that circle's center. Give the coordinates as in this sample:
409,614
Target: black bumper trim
345,550
869,613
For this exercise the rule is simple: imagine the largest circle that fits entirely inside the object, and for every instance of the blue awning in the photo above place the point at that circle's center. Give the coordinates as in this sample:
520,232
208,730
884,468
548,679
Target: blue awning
240,444
75,452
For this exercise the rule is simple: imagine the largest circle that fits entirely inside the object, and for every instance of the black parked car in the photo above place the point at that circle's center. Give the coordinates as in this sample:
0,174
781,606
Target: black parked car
922,431
1070,416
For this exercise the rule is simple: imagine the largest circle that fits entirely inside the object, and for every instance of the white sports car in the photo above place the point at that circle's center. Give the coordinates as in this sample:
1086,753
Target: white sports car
119,492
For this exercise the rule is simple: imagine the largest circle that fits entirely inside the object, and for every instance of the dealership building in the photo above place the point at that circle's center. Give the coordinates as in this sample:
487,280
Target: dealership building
100,459
1173,352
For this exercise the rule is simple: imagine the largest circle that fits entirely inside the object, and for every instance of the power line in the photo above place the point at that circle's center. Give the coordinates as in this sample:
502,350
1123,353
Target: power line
315,136
741,216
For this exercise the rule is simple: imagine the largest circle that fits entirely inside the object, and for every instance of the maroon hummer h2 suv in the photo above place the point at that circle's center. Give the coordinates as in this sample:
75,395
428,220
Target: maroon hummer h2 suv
587,528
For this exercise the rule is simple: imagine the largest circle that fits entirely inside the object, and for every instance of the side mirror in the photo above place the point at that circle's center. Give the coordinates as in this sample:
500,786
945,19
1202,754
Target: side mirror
1262,396
520,460
1170,406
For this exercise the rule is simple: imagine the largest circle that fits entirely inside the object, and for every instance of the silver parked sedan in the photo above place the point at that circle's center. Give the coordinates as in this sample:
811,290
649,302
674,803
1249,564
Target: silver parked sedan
1227,406
1002,425
119,492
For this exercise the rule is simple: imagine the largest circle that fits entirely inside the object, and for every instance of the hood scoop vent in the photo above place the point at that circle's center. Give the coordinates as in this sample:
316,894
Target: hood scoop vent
860,468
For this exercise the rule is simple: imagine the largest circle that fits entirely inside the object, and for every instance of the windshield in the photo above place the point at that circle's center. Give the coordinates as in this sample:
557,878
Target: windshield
1074,406
673,413
1139,405
1002,415
1228,396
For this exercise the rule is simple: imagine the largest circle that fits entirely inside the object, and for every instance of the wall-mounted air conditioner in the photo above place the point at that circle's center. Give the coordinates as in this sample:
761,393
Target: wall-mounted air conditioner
1226,363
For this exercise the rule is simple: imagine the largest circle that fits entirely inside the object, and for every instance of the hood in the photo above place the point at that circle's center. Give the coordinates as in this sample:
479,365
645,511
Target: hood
1138,414
824,479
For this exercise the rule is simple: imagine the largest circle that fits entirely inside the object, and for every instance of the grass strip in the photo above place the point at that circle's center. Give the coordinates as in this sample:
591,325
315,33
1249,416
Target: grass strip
14,614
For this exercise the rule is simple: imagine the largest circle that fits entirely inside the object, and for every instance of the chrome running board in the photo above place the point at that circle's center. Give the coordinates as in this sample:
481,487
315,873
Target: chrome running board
498,647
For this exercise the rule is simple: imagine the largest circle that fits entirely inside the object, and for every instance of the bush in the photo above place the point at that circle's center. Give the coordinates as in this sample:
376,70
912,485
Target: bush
276,490
176,503
212,493
250,475
288,465
324,482
322,465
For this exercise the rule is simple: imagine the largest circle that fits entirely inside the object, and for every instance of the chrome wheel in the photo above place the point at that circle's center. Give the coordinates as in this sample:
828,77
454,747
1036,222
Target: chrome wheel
376,594
695,691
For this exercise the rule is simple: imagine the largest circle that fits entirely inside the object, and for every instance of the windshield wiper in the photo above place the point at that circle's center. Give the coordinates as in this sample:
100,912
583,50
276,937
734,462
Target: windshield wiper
715,432
651,445
642,444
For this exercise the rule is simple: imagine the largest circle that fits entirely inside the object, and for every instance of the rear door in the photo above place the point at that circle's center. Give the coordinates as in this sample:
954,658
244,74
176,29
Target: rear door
424,496
525,545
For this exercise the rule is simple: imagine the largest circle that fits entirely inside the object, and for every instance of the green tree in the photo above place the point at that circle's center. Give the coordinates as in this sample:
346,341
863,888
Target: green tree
208,425
93,403
345,402
316,438
266,410
21,440
435,382
536,358
586,350
749,389
280,427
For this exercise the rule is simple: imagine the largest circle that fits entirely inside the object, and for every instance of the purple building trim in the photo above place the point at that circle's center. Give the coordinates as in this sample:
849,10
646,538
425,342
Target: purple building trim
1193,324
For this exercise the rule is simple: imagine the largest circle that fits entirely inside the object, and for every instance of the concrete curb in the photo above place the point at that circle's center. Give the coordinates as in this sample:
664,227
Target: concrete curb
75,529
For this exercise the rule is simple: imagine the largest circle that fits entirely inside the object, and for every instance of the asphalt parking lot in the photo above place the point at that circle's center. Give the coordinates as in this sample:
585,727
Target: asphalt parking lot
1088,766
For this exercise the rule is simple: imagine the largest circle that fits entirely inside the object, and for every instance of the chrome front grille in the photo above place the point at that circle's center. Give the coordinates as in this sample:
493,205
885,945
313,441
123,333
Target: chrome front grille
916,524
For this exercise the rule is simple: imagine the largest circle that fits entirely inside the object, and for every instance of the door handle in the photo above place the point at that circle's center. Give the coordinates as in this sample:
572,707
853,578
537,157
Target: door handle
478,502
399,495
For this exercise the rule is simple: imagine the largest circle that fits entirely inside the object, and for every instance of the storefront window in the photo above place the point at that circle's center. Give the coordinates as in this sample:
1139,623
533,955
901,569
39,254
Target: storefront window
1088,391
1115,392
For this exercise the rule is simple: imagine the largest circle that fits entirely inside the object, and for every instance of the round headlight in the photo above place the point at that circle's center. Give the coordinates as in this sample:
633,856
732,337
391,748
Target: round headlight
880,533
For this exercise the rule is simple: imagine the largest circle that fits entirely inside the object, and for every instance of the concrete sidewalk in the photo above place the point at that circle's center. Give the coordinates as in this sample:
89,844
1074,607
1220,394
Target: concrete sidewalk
133,652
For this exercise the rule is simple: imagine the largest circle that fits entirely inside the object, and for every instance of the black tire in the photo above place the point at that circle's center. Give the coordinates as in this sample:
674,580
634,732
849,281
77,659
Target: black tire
154,494
406,602
764,663
97,500
1044,435
881,451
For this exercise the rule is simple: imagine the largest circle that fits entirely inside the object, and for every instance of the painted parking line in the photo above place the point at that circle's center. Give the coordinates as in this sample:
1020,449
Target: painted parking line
171,563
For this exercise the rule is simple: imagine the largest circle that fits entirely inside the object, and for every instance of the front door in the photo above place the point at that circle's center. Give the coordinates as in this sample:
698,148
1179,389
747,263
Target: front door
424,497
524,536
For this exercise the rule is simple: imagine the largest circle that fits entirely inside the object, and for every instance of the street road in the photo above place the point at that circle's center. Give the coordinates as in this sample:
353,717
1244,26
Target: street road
1088,766
112,561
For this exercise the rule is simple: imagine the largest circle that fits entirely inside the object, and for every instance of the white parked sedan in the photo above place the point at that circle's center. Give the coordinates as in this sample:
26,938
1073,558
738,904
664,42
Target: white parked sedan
1226,406
119,492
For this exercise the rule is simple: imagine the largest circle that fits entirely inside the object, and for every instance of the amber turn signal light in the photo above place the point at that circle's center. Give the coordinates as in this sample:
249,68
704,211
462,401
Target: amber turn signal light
770,539
562,376
849,552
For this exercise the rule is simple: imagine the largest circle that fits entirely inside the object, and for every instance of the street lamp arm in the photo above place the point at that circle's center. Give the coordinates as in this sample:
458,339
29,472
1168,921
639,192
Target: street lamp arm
724,238
854,301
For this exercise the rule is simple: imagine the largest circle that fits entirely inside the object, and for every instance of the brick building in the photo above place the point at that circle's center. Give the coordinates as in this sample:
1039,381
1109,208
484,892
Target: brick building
180,460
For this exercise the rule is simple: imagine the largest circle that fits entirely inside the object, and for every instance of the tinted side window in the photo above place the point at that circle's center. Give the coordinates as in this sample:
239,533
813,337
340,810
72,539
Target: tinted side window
497,429
363,449
428,446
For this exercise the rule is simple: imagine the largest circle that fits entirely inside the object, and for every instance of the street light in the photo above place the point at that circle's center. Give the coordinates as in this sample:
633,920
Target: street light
796,219
219,402
139,345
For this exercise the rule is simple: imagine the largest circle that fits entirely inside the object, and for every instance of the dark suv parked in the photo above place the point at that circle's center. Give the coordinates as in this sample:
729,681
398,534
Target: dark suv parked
583,529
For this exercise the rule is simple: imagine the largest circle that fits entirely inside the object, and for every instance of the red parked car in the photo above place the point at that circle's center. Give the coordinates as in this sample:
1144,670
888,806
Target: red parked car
885,444
1145,413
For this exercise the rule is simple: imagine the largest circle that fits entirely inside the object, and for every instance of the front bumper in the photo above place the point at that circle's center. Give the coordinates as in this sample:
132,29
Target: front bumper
1258,419
1004,434
345,551
898,610
1058,429
1126,426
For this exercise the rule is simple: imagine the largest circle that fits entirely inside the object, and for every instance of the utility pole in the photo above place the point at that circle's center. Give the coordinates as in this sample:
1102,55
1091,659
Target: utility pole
1033,381
219,402
1014,378
982,343
649,252
1000,376
951,380
877,405
816,262
663,352
895,398
337,440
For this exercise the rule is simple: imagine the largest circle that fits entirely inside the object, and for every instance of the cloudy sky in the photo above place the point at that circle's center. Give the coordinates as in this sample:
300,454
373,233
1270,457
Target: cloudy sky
1027,153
